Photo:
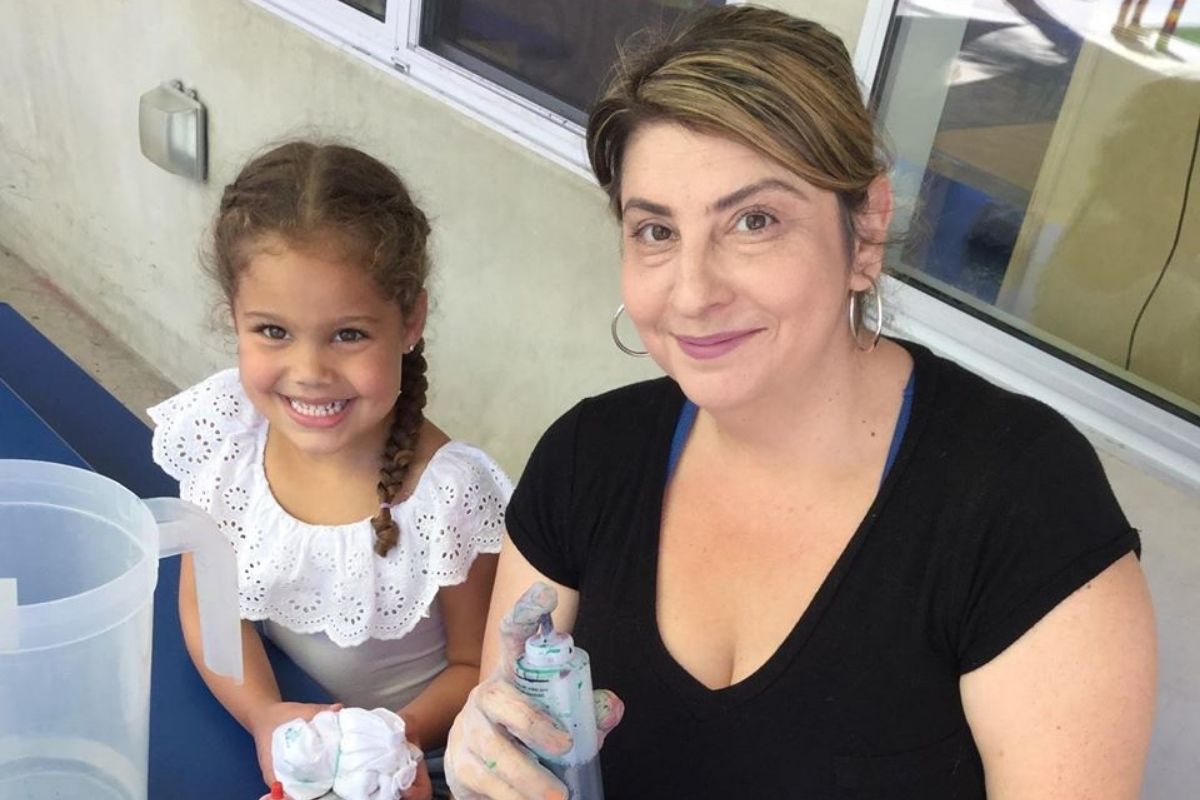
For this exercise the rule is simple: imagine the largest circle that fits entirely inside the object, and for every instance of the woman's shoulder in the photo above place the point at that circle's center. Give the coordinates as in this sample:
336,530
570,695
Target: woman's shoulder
617,419
633,398
966,412
206,426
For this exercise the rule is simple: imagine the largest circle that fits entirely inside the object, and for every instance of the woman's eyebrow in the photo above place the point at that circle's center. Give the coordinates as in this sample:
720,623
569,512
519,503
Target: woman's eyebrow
733,198
645,205
724,203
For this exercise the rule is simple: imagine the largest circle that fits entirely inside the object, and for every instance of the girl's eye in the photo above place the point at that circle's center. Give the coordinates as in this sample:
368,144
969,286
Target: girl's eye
753,221
653,233
349,335
271,332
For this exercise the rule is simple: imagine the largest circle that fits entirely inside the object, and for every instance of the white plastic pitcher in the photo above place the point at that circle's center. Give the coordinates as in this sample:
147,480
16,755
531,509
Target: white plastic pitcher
78,565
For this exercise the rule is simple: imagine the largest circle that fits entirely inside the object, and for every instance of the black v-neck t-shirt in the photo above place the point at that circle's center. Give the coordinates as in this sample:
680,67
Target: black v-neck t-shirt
994,511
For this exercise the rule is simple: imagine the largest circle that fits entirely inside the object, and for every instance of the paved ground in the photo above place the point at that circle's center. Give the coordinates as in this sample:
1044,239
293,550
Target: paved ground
131,380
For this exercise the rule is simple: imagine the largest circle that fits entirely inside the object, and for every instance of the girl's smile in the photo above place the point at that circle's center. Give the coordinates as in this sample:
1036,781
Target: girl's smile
320,350
317,413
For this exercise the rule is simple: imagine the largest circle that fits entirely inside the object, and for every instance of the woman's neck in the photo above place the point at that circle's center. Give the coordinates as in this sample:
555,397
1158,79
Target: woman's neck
845,405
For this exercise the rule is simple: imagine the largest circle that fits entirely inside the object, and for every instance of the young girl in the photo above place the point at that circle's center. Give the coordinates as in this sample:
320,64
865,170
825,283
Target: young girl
364,536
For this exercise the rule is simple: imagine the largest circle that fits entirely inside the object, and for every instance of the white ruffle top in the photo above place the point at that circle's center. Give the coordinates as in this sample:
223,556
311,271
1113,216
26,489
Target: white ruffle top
326,579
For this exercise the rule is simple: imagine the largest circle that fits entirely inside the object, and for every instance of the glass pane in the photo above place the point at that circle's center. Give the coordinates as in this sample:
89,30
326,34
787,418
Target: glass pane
554,52
1046,175
372,8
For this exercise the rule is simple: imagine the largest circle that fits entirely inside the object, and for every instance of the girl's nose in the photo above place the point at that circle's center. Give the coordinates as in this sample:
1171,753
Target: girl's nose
309,368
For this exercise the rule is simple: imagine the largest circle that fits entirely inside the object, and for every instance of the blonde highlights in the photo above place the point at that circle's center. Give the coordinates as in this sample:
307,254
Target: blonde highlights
781,85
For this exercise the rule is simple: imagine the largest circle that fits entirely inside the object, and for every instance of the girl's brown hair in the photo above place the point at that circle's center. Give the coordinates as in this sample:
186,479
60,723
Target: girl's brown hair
322,195
781,85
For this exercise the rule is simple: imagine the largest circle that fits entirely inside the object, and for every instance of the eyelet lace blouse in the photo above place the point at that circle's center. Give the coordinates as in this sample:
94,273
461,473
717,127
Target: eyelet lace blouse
326,578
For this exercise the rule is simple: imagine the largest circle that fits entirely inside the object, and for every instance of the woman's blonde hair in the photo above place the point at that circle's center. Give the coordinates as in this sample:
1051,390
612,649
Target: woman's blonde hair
781,85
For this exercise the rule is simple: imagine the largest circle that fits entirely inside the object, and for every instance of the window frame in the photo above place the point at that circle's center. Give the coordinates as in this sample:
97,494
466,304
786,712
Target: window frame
393,45
1122,424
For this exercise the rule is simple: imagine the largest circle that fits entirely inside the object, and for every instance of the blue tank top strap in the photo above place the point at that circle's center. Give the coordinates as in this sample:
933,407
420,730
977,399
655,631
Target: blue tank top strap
901,424
687,418
683,426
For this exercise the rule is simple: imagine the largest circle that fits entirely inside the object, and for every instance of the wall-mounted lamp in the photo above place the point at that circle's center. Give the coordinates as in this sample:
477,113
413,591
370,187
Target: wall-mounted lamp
172,129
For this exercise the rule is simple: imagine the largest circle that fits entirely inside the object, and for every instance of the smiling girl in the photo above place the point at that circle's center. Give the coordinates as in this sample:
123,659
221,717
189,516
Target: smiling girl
364,536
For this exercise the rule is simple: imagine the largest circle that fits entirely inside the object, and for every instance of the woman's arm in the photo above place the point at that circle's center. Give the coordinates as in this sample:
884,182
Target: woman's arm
1066,710
482,758
514,576
428,716
255,703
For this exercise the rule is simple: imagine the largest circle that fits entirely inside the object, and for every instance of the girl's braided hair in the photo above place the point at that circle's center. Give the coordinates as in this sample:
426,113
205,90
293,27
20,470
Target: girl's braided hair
313,194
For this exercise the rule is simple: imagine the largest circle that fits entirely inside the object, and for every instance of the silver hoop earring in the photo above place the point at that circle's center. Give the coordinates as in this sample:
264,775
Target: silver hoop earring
629,351
854,329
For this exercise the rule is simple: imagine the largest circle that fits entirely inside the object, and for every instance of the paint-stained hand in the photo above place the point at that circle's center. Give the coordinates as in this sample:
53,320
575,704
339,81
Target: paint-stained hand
487,755
522,622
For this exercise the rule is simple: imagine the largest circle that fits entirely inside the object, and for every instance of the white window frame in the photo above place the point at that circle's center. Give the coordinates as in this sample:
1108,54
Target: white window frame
393,45
1132,429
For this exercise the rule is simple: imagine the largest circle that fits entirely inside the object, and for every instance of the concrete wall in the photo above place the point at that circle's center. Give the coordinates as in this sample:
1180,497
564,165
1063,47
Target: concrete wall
526,256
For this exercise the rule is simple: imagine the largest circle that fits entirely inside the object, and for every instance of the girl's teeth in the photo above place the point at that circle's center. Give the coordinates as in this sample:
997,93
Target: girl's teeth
326,410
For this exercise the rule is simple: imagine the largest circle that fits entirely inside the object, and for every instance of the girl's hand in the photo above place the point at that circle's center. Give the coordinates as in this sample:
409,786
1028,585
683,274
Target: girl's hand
487,755
270,717
422,788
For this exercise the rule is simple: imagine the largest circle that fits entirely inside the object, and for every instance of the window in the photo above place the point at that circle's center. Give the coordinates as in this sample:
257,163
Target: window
530,68
1046,173
373,8
554,52
1046,176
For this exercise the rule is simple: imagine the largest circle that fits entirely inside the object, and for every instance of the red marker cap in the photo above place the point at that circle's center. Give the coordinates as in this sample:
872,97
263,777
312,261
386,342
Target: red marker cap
276,791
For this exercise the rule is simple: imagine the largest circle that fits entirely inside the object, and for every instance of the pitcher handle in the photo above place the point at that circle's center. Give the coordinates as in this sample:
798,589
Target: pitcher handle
183,527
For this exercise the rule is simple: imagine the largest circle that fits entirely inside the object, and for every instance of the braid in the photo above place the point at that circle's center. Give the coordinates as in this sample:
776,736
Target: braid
401,444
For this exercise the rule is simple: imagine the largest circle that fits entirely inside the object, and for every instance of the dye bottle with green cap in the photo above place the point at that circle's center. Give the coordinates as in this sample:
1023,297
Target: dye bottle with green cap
558,676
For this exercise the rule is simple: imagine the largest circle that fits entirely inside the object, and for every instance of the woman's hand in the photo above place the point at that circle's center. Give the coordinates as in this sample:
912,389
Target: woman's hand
487,755
269,717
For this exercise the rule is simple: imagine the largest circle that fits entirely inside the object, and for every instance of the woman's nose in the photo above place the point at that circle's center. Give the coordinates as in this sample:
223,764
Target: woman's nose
699,280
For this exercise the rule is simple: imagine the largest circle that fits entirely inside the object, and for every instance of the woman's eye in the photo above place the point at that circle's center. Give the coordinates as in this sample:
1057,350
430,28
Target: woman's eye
754,221
349,335
272,332
653,233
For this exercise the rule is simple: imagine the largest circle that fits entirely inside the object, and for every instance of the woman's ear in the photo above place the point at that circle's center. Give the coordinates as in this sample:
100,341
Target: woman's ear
871,230
414,321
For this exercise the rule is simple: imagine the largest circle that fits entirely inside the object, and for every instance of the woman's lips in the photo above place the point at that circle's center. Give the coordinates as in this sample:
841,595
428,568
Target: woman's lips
714,345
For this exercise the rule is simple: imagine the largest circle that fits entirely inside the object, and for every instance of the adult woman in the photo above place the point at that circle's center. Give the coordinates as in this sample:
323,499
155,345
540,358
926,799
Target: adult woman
813,562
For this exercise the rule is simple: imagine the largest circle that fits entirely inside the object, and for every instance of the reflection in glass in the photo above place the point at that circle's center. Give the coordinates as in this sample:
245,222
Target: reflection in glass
554,52
1046,173
372,8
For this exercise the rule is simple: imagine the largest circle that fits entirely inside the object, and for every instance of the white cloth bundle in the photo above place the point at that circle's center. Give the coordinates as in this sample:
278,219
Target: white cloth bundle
355,753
